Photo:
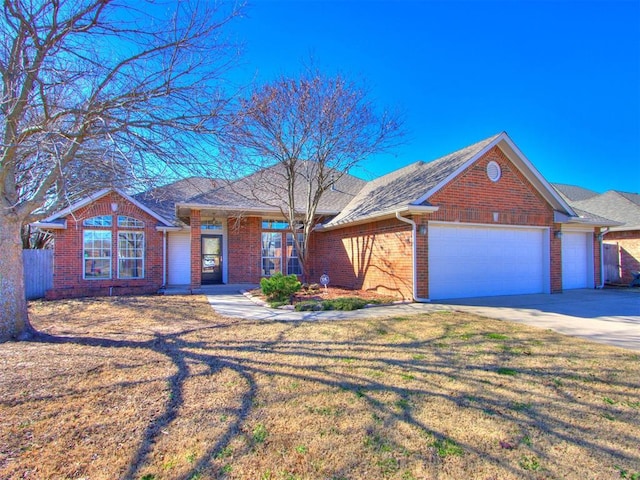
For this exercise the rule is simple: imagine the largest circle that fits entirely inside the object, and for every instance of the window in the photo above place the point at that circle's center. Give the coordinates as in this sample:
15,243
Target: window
101,221
97,254
211,225
130,255
293,262
129,222
275,224
271,253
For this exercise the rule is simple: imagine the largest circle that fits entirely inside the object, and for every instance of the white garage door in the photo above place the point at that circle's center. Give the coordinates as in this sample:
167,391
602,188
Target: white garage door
577,264
179,258
474,261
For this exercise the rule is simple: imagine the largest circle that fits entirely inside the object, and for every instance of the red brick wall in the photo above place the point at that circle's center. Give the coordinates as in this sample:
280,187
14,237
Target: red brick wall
375,256
244,240
196,249
629,243
68,253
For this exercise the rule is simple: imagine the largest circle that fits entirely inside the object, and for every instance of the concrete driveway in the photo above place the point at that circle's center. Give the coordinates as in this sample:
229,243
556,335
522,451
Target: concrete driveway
610,316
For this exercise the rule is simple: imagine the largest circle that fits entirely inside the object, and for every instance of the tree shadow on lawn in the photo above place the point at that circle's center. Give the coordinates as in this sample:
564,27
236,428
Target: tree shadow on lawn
484,372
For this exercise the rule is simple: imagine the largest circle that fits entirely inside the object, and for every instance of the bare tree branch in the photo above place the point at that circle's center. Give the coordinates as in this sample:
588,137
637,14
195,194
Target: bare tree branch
292,139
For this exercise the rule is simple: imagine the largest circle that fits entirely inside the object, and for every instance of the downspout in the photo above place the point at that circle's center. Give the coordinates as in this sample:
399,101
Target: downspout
601,240
415,260
164,258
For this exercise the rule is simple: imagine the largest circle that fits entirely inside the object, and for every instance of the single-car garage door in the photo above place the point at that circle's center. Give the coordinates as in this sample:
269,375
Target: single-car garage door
483,260
577,260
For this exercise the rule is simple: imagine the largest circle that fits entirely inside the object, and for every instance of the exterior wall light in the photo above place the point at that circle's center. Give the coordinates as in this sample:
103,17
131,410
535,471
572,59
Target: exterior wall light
423,230
557,234
114,207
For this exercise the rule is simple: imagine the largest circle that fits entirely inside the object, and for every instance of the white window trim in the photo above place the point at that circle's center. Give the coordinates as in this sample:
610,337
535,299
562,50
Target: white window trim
143,258
84,259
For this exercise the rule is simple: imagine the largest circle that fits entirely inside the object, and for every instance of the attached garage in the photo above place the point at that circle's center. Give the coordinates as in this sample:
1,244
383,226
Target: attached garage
577,260
486,260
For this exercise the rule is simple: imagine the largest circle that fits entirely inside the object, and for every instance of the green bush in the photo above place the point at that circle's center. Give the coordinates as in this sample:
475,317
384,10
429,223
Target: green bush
279,288
343,303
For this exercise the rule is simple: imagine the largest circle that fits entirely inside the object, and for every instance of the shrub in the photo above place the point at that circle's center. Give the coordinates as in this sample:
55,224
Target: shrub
344,303
308,306
279,287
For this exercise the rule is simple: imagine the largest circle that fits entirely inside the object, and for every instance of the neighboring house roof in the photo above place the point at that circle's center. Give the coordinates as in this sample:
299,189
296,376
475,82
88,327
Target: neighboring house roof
573,193
411,187
266,191
57,220
622,207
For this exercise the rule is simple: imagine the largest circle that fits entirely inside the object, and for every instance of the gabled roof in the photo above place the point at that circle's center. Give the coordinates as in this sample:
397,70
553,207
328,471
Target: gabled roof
573,193
411,187
163,199
57,220
266,191
622,207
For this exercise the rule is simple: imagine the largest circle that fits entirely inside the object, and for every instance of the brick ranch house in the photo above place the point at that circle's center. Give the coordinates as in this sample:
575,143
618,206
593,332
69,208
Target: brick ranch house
480,221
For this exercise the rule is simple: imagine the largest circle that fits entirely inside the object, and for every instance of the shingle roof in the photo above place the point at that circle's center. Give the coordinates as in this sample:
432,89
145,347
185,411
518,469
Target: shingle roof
622,207
573,193
163,199
267,189
405,186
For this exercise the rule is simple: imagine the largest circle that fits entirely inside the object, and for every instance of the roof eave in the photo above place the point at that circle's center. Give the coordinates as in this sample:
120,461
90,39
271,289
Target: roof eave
231,209
378,216
50,225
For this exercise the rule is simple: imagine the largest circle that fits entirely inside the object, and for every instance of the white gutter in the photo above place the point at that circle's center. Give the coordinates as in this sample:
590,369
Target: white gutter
601,239
414,263
164,258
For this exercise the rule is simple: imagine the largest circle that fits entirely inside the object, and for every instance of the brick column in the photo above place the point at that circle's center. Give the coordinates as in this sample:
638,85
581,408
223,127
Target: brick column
196,250
556,259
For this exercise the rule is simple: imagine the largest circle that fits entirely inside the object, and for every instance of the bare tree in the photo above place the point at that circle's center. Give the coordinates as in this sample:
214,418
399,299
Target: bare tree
91,89
291,140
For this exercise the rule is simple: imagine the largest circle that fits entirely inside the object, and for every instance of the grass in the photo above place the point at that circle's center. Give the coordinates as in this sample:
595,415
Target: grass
164,388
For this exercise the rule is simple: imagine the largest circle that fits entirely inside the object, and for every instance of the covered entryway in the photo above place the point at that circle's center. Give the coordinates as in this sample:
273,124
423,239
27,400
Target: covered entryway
577,260
486,260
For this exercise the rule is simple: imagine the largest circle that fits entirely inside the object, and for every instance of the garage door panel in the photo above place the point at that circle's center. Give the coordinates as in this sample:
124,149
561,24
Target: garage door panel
468,261
576,265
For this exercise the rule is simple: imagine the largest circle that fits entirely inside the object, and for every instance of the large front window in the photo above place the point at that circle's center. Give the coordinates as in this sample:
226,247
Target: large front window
130,255
271,253
275,258
97,254
293,261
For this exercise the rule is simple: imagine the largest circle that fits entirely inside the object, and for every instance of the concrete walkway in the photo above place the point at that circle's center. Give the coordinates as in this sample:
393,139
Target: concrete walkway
605,316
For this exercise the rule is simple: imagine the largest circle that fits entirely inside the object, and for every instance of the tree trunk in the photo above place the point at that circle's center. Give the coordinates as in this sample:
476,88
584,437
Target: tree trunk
14,320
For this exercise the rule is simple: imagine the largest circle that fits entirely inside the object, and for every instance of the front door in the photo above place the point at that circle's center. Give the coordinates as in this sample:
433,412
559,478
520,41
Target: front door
211,259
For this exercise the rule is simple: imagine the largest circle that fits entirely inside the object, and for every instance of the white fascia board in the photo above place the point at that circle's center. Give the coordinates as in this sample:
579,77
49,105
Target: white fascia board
406,209
98,195
79,204
50,225
537,175
162,228
460,169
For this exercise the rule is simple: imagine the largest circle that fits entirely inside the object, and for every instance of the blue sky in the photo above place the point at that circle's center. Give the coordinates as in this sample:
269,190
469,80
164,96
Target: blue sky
561,78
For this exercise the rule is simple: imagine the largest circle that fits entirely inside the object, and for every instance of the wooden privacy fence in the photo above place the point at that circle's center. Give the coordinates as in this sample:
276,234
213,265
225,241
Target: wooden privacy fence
38,272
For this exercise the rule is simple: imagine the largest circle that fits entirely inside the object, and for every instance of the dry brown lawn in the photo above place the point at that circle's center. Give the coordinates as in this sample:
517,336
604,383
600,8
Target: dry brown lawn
164,388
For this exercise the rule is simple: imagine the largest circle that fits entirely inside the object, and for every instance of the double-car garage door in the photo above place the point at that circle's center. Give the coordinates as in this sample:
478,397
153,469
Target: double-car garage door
483,260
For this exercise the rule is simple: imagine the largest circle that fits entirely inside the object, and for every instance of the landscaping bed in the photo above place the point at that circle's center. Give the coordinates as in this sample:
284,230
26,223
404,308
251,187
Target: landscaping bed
331,298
